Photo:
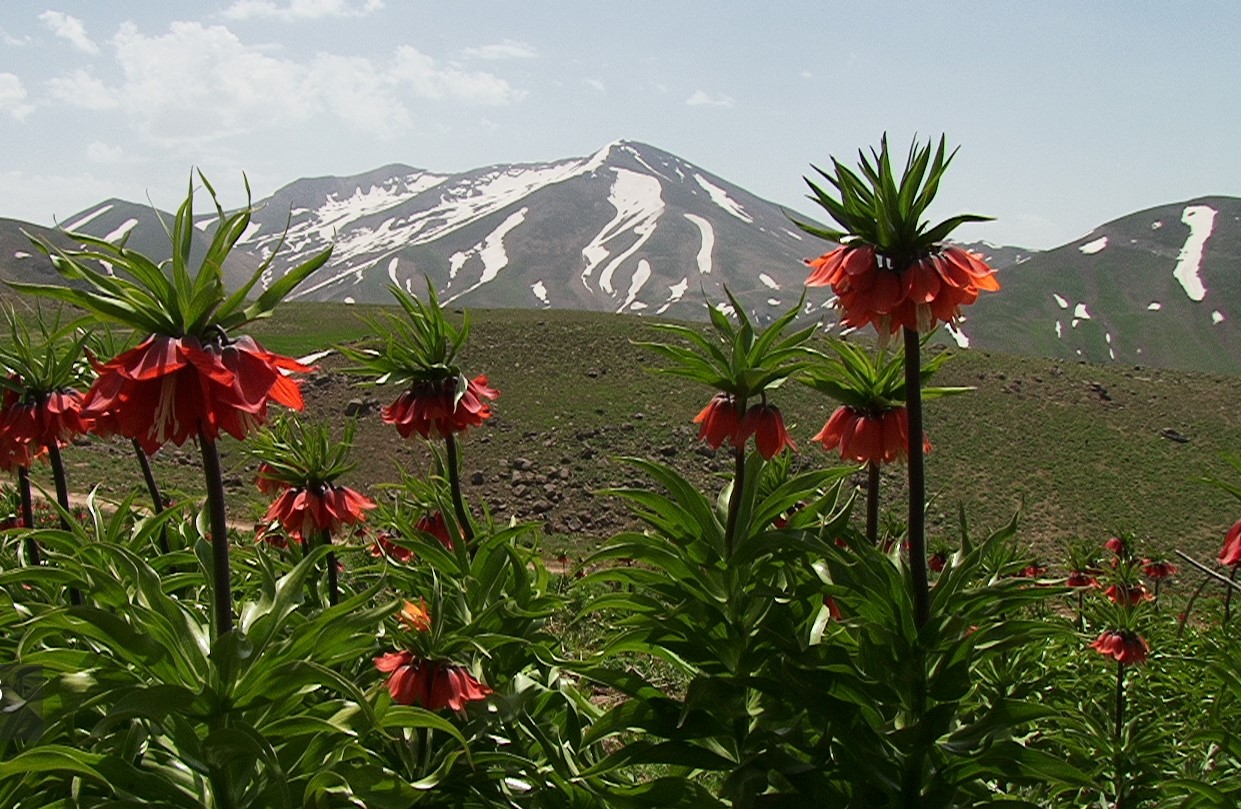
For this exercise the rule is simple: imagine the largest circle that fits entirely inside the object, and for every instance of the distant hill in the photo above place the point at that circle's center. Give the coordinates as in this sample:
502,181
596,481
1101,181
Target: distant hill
1161,287
637,230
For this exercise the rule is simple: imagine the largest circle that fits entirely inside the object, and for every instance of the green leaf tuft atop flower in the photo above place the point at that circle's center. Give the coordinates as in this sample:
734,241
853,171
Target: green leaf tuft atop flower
891,269
422,346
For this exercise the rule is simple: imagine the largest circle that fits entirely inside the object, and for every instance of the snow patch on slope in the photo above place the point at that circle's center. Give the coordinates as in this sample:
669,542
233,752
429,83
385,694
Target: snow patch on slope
120,231
1061,302
1201,219
639,279
491,252
959,336
768,281
675,292
1092,247
459,204
639,202
1217,317
720,197
249,232
540,292
1080,312
88,217
21,254
708,242
392,271
1154,306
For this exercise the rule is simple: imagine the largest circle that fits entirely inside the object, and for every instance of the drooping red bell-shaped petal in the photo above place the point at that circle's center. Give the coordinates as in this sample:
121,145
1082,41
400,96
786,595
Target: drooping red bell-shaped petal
1230,554
926,291
766,424
1122,645
173,388
435,525
719,421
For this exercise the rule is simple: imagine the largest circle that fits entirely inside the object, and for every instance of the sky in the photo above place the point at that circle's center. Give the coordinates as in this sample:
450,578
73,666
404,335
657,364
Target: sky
1067,114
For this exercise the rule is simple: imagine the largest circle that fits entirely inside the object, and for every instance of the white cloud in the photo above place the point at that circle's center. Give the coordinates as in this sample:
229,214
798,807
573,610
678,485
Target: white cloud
300,9
508,49
99,152
9,39
13,97
355,91
197,83
596,84
70,29
806,74
429,80
80,89
42,198
701,98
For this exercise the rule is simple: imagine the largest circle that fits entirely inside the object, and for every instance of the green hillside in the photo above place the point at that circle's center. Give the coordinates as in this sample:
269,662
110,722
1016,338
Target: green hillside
1083,446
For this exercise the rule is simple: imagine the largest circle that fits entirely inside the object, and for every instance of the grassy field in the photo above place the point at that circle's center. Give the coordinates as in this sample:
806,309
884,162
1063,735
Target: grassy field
1079,449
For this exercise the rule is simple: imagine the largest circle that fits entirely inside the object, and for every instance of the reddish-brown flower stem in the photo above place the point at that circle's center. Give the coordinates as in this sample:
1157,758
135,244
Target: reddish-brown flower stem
917,480
872,503
58,478
734,501
1228,595
62,498
333,584
23,486
454,486
218,525
157,500
1117,756
1189,607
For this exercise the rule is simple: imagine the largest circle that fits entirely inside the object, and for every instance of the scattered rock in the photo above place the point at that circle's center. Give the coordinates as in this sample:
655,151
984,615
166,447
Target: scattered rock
667,450
524,464
1174,435
1101,391
361,407
477,479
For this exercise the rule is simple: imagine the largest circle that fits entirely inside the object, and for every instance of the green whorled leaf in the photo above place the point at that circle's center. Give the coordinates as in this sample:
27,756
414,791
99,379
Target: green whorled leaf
1199,794
113,309
692,336
119,777
945,228
827,234
226,747
877,208
152,702
262,620
407,716
278,291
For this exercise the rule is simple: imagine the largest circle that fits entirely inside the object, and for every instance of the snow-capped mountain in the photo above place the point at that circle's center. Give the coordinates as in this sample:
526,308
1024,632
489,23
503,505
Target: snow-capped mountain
629,229
1158,287
637,230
